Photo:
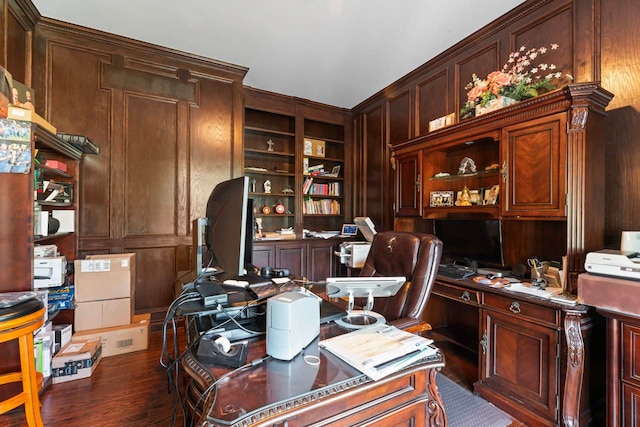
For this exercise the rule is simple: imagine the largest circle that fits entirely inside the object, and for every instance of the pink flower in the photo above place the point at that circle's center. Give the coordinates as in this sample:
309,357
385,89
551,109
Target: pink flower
475,92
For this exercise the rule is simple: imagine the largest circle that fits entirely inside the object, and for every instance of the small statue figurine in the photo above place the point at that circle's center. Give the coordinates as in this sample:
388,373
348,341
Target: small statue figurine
258,228
270,145
465,197
267,186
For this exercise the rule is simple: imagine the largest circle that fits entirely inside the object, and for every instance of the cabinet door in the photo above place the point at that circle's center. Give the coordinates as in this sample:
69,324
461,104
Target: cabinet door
520,362
534,168
408,185
292,257
320,261
263,255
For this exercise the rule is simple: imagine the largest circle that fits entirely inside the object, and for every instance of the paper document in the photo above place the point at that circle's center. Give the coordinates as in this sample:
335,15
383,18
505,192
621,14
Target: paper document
528,289
379,350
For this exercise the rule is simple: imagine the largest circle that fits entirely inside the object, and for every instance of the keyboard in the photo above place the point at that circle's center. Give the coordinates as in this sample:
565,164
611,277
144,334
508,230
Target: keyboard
456,272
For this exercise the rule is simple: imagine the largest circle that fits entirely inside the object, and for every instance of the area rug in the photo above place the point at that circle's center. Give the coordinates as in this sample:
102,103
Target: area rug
465,409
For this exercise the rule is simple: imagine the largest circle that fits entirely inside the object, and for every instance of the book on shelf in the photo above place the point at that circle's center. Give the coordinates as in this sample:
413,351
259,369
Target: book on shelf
307,185
321,207
379,350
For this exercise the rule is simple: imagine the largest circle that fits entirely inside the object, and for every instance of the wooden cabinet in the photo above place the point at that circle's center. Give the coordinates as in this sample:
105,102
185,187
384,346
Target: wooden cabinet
519,357
295,153
310,258
534,167
323,150
269,161
630,372
545,158
408,184
534,356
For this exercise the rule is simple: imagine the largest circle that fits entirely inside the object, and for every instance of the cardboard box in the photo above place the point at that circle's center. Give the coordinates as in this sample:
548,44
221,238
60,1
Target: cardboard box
18,113
77,359
67,220
103,277
62,335
121,339
102,314
55,164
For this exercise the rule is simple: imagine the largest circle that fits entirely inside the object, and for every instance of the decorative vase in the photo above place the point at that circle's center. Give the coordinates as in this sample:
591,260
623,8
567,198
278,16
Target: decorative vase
495,104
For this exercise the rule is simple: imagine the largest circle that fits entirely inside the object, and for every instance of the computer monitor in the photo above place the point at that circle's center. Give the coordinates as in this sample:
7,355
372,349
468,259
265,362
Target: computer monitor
471,241
229,226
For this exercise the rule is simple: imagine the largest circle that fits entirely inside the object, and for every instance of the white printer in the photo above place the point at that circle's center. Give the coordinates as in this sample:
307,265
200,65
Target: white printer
354,254
610,262
49,272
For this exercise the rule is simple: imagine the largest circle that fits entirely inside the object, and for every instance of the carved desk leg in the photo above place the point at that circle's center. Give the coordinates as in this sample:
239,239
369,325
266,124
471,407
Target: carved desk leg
436,415
575,369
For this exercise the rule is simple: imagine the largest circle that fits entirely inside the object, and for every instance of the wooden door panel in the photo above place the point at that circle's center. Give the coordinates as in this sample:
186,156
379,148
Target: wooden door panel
521,361
408,194
320,261
534,155
291,257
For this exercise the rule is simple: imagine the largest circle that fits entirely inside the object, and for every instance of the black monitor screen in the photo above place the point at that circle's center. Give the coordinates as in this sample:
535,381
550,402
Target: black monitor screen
229,229
465,241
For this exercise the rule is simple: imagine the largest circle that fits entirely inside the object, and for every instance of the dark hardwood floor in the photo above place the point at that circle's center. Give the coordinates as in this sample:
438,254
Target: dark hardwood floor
132,390
126,390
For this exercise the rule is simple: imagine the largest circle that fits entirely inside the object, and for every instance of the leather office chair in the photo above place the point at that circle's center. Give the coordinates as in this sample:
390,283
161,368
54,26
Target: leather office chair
413,255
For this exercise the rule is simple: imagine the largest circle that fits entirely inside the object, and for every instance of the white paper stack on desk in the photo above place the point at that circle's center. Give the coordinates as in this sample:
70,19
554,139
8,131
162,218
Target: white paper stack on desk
379,350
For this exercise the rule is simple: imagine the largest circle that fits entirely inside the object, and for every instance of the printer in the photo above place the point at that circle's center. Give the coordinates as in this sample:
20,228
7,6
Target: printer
615,263
49,272
354,254
293,322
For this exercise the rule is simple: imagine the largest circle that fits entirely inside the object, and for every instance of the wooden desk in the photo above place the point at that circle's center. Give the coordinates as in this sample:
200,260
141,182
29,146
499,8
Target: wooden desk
537,360
295,393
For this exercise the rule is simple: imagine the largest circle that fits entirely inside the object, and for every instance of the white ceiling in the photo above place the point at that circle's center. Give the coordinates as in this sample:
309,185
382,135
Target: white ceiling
338,52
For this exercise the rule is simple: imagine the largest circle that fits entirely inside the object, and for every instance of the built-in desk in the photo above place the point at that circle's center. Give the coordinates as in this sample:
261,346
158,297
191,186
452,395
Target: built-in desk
296,393
537,360
619,301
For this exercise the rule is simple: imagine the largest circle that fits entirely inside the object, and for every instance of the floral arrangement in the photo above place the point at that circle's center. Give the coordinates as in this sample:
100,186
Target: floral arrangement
520,78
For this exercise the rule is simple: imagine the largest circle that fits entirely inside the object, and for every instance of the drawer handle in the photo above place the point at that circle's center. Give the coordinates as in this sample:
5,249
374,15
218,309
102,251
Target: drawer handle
515,307
466,296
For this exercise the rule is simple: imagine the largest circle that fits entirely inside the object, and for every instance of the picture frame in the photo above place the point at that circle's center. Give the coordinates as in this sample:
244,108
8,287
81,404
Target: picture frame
491,195
440,199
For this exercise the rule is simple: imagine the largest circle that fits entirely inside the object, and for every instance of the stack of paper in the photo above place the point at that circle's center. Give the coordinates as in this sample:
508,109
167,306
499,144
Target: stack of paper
379,350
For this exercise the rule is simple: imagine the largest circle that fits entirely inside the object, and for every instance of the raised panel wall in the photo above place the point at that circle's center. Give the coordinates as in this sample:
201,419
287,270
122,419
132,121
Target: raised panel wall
168,128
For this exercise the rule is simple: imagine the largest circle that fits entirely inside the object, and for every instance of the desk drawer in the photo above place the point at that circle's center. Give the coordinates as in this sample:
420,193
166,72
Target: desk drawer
458,293
524,309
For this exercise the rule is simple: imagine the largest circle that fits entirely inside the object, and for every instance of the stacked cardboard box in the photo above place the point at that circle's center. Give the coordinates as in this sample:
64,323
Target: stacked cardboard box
120,339
104,291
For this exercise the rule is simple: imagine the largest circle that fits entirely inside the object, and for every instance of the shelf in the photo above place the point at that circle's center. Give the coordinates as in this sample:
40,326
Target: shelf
323,196
45,139
51,171
267,172
479,174
268,131
37,239
272,194
267,152
56,204
478,211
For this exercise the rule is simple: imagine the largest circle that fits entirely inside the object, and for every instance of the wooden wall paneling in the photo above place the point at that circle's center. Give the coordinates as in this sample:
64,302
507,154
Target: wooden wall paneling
479,62
374,182
620,58
432,100
18,18
399,117
169,128
555,26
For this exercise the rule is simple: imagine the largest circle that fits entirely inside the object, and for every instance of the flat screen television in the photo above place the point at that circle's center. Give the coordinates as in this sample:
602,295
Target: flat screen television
229,227
467,241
